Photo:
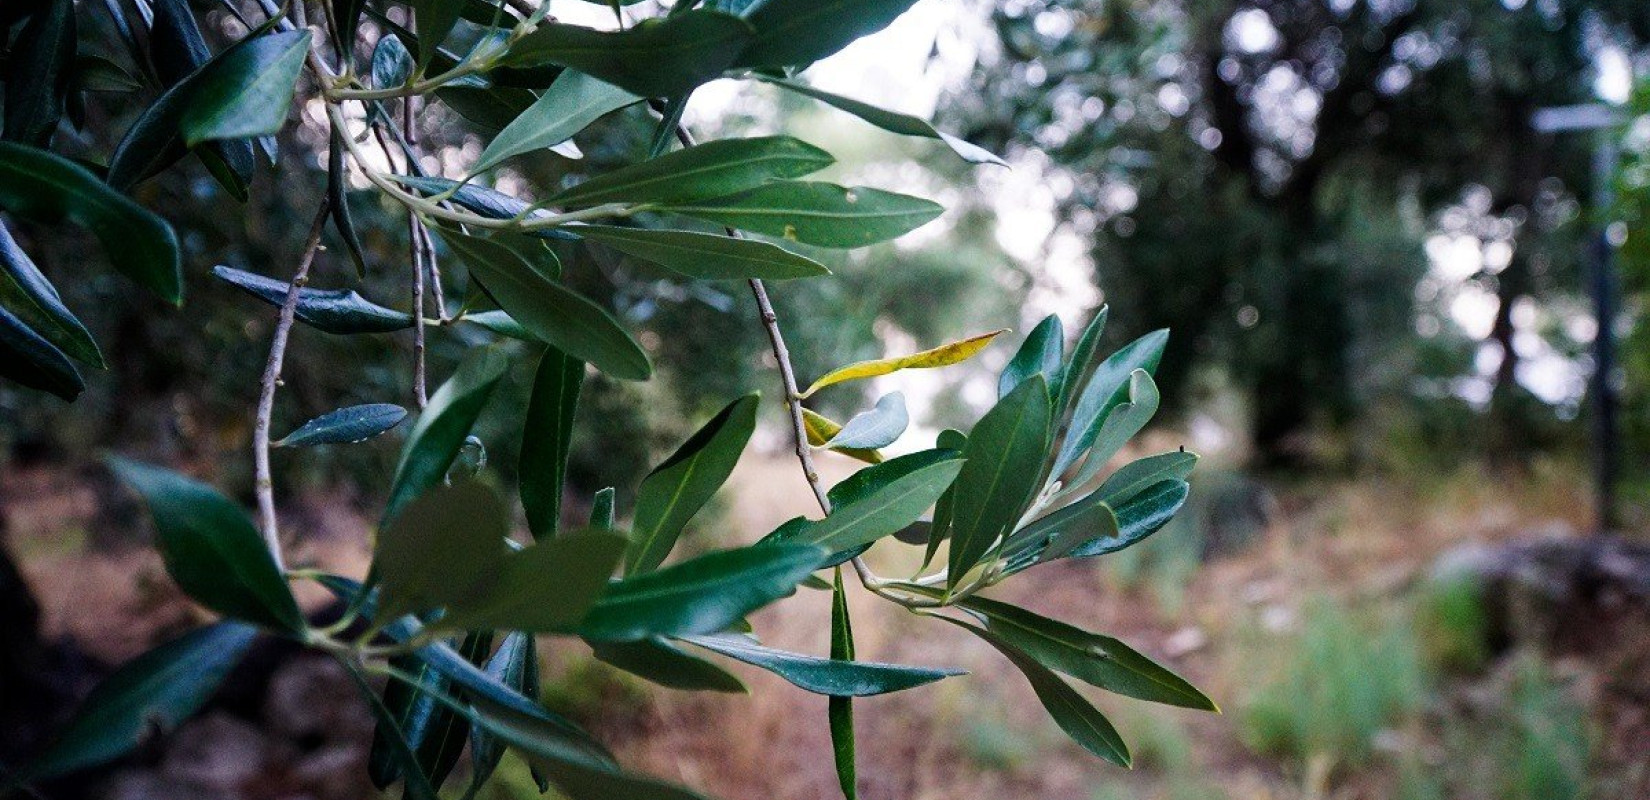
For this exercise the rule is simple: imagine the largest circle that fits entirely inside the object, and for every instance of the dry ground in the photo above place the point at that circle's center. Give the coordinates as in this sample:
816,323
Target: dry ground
978,736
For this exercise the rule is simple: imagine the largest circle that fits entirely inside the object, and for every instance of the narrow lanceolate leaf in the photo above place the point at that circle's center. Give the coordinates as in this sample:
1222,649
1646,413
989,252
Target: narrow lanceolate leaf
821,429
346,19
791,33
712,169
340,311
26,292
1075,374
571,103
346,425
657,57
394,737
210,548
840,710
1063,531
151,694
179,48
440,429
940,529
546,439
178,51
546,587
1107,388
47,188
388,760
435,19
942,356
487,110
704,255
508,665
1071,711
1143,516
500,323
94,73
338,201
1135,477
835,677
675,490
1089,657
821,214
1005,453
878,427
1039,354
445,732
575,777
445,549
34,362
554,313
876,502
155,139
246,93
662,662
702,595
891,121
472,681
1121,425
601,508
38,74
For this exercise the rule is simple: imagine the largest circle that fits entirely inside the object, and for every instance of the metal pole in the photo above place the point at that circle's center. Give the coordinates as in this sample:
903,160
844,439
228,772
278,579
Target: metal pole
1605,293
1602,120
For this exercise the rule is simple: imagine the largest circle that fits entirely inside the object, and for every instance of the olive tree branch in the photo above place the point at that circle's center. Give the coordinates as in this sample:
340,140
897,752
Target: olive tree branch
265,486
415,248
793,400
435,210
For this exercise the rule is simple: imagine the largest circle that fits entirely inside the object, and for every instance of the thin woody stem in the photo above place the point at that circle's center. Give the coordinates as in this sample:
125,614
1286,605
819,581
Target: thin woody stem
793,403
415,245
793,397
265,489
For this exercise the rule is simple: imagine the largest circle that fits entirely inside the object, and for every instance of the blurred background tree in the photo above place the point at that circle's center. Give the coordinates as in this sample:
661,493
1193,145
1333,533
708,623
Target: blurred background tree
1305,191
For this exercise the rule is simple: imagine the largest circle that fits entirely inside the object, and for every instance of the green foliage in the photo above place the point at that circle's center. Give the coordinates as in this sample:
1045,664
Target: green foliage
1285,249
678,488
701,255
346,425
573,101
837,676
338,311
821,214
548,310
157,690
547,439
441,427
1001,474
1452,622
38,185
1326,690
841,709
247,93
453,608
211,549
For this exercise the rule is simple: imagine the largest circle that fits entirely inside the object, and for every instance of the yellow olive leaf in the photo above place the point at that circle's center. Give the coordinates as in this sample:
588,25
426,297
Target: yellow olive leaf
943,356
822,428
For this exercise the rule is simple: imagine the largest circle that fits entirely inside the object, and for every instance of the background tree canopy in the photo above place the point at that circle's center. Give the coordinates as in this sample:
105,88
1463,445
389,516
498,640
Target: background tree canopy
1263,178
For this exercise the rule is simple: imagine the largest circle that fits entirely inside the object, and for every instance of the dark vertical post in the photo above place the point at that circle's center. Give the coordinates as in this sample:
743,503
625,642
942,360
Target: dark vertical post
1605,291
1602,120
